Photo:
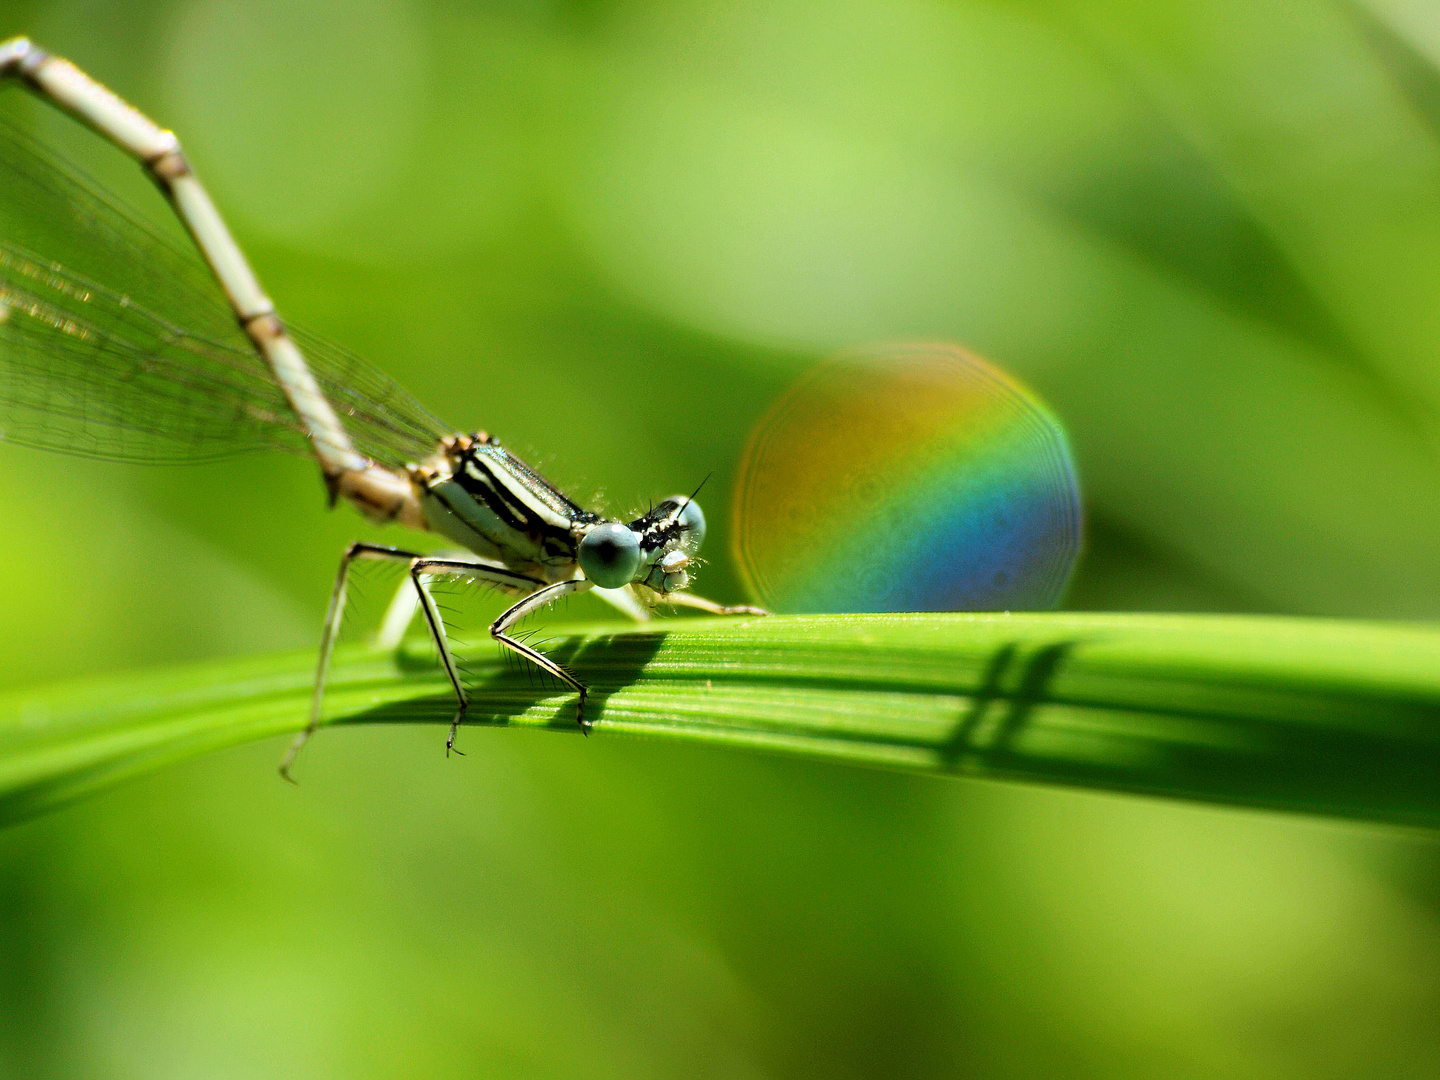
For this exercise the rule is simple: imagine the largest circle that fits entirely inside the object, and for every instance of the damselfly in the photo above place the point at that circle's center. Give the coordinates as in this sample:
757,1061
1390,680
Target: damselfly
94,367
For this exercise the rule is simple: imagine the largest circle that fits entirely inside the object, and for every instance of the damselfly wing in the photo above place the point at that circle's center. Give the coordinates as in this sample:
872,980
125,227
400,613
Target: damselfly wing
118,343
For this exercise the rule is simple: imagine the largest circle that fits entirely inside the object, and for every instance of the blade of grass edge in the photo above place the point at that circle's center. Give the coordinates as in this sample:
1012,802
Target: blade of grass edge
1318,716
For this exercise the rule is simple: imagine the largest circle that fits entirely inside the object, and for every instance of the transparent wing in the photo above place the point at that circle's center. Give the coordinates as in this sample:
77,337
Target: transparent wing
117,342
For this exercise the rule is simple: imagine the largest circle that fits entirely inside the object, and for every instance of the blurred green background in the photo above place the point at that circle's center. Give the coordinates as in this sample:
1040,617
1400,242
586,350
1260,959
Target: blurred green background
1208,232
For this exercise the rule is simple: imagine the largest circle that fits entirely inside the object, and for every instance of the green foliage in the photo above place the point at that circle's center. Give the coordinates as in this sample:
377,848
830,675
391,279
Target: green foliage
610,233
1332,717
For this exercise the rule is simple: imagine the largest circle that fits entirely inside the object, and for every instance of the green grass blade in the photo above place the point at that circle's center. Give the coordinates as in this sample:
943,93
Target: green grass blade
1310,715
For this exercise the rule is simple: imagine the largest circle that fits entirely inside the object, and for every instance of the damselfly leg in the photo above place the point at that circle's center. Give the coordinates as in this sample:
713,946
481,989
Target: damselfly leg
531,604
415,595
420,568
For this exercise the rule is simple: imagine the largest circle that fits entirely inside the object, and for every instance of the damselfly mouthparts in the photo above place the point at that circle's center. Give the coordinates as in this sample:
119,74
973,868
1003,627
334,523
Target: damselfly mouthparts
94,367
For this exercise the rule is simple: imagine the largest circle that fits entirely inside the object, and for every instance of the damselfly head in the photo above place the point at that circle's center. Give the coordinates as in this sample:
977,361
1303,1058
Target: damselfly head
655,550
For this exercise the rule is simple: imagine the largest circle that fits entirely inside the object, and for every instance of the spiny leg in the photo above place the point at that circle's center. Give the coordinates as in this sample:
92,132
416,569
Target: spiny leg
418,564
508,580
406,602
532,603
541,598
333,618
418,569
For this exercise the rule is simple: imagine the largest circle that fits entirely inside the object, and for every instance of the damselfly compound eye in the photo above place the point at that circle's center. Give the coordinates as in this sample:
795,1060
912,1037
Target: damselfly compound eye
610,556
907,478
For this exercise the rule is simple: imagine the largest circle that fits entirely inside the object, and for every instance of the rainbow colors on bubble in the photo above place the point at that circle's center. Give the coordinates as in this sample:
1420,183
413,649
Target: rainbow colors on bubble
907,478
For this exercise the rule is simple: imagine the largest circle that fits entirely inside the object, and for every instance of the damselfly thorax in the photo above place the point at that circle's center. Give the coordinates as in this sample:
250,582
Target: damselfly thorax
88,369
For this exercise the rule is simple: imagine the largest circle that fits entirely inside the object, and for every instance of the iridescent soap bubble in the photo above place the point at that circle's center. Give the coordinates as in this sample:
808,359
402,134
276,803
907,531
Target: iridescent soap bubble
907,478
